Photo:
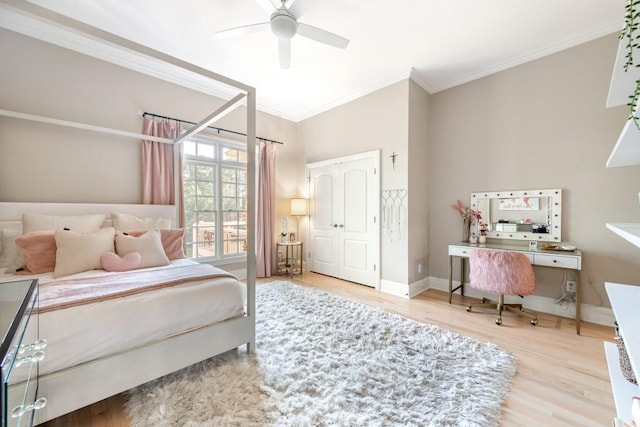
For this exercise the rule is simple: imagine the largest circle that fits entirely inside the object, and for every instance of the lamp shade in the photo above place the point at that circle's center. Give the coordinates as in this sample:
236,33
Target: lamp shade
298,207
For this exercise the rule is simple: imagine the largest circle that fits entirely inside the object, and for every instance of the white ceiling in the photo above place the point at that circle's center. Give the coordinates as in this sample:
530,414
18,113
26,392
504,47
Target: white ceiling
438,43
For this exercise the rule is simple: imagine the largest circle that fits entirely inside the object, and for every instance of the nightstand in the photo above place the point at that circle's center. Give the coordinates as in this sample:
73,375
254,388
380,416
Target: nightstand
289,258
19,359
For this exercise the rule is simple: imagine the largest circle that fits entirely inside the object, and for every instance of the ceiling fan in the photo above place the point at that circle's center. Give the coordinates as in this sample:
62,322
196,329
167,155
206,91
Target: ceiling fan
284,25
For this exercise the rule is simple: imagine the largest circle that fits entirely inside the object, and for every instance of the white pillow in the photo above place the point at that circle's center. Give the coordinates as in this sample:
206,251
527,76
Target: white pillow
122,221
77,252
11,257
77,223
149,246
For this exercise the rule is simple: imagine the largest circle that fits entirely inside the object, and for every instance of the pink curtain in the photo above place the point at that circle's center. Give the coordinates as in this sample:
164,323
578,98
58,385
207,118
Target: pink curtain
265,221
158,185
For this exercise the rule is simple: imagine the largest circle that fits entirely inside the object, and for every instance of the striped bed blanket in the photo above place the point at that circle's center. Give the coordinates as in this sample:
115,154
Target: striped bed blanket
65,293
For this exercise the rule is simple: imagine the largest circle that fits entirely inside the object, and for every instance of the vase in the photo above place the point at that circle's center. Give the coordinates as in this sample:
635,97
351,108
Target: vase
466,230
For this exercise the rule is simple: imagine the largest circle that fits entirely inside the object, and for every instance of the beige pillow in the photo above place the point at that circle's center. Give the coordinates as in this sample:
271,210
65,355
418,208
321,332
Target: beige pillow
148,245
172,241
77,252
122,221
11,257
77,223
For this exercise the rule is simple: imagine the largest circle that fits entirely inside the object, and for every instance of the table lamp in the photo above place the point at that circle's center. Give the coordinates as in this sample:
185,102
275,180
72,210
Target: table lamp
298,209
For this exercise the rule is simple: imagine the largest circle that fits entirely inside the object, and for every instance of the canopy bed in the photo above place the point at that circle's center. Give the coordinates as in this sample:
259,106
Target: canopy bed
172,326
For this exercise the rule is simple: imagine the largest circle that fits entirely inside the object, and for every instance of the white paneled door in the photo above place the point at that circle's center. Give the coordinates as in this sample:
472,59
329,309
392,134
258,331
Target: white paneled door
344,235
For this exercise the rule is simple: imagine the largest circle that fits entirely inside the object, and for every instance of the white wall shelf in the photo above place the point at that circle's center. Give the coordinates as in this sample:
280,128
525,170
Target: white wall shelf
627,149
623,390
628,231
625,300
622,82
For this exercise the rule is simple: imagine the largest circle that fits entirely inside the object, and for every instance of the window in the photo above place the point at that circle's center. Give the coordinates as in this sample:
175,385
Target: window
215,197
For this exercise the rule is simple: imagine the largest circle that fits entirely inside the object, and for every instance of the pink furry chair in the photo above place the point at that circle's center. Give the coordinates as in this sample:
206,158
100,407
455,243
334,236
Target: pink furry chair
504,273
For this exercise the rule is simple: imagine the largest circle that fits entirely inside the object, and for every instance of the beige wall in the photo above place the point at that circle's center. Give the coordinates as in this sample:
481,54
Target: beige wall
539,125
46,163
375,121
418,263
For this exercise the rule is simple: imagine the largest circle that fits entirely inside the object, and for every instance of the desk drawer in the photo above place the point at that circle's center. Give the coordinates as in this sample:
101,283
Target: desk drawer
461,251
556,261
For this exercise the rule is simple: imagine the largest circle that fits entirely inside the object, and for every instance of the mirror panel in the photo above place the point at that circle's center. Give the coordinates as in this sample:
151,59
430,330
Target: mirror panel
521,215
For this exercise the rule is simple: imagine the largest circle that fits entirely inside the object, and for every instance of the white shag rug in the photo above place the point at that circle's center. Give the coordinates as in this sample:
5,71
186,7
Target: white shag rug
322,360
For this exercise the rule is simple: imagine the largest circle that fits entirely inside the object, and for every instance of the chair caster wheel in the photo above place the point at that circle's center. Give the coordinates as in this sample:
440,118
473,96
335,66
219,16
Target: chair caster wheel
468,308
534,322
498,322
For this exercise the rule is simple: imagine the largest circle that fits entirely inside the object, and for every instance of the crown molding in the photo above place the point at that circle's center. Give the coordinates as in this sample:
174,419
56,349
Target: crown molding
528,57
381,84
23,23
32,26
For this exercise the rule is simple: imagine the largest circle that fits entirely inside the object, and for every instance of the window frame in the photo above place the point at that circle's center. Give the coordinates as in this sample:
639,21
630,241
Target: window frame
218,164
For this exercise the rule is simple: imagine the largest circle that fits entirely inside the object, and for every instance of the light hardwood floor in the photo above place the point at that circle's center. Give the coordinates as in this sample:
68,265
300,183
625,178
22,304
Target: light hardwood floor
562,378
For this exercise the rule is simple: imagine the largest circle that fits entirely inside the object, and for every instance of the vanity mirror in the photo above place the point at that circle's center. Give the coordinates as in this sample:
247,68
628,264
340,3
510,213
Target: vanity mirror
521,215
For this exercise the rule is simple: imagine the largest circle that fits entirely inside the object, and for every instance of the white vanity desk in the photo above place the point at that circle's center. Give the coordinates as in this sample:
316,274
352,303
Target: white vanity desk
539,257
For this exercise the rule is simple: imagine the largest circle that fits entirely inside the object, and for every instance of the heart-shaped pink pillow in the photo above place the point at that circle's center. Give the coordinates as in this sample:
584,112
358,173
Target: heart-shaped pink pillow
113,262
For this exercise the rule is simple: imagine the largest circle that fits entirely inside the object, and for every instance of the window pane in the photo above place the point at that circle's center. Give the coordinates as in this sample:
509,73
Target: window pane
205,188
205,173
235,236
228,175
205,204
189,148
206,151
234,155
229,204
228,190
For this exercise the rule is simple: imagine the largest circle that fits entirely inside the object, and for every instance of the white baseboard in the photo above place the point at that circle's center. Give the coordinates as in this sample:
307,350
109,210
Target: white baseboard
394,288
590,313
404,290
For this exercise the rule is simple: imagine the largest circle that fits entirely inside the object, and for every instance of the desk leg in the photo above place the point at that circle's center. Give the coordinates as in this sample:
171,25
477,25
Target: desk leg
578,300
462,276
450,277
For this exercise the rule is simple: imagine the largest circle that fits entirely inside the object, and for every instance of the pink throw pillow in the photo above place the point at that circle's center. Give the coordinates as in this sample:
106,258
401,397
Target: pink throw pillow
113,262
173,242
39,251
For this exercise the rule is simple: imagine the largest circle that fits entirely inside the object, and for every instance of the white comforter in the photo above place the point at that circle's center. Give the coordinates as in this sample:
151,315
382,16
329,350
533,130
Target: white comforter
87,332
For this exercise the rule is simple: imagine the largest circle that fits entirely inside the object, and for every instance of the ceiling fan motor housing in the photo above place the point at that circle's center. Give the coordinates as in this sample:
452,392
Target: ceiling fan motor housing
283,24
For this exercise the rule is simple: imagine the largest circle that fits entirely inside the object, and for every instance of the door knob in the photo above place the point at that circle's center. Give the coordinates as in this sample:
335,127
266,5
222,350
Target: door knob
341,225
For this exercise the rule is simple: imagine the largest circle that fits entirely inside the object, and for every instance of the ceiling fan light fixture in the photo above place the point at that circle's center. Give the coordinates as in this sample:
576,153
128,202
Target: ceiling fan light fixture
283,25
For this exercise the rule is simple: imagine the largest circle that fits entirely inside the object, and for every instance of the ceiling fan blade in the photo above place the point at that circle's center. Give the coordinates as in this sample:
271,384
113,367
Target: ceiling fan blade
301,7
245,29
266,5
284,52
322,36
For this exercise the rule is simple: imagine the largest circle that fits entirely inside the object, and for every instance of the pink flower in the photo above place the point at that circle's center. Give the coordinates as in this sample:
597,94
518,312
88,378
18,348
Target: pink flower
466,213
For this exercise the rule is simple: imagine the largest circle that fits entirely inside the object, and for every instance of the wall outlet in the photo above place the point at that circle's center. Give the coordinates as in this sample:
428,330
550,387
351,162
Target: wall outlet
570,286
419,268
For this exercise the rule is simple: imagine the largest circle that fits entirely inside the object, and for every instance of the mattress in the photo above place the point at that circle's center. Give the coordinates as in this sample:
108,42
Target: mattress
87,332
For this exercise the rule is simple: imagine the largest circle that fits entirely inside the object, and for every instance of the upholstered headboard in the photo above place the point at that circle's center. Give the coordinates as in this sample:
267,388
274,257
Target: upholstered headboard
11,213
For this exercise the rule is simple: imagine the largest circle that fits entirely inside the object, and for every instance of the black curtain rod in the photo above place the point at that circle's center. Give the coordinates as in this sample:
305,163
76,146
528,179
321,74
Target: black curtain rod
211,127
